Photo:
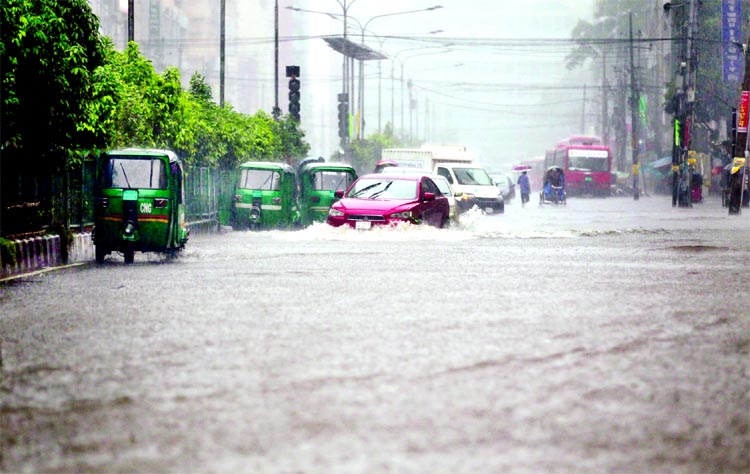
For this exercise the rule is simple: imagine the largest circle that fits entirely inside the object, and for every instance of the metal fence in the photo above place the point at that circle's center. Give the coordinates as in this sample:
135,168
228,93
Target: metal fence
35,203
38,201
209,193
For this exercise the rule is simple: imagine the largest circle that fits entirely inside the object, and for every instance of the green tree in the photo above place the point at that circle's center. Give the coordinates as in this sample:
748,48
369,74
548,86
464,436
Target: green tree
49,52
199,88
292,139
611,22
138,107
366,153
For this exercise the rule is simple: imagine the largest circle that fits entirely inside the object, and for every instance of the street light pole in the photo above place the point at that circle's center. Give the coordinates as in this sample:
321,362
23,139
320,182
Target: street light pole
380,78
634,104
276,110
361,101
131,20
402,63
222,44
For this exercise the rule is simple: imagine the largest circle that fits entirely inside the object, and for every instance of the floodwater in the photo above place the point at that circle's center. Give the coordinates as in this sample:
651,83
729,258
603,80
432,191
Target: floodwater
603,336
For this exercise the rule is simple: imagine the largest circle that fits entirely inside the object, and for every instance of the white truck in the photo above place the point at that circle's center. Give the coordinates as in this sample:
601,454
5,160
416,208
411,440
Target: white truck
427,156
470,183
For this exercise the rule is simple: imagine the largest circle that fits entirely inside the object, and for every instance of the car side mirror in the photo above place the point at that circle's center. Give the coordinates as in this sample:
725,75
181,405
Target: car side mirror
458,194
428,196
339,193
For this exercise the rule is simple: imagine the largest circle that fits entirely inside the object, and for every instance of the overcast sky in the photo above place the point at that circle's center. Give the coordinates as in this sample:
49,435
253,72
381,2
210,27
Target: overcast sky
485,81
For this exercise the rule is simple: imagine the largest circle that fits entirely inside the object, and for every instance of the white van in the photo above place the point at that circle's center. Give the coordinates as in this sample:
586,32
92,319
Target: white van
475,185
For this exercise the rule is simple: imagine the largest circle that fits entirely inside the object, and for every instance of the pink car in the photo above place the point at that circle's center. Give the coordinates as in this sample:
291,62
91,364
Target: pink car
382,199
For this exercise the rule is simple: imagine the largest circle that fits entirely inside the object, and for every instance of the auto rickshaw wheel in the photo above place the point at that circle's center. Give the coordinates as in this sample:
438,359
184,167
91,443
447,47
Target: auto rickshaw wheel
129,256
100,252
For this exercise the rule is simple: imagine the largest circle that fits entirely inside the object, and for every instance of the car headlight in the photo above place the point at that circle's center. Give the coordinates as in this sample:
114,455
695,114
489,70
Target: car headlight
467,197
401,215
335,213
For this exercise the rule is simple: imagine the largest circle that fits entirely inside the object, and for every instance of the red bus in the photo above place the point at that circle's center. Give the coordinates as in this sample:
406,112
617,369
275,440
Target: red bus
586,162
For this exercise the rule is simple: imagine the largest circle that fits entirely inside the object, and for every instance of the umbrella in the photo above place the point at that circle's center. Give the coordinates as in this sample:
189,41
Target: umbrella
521,168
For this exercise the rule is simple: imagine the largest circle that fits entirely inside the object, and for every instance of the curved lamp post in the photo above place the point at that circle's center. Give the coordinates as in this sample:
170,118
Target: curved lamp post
363,27
444,48
380,77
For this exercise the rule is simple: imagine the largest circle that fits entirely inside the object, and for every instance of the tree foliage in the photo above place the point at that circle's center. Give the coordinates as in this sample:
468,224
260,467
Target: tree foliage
49,52
366,153
611,22
64,88
715,97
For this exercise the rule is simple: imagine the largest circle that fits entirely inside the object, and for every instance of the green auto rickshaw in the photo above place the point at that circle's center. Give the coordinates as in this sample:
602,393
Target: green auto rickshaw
318,182
265,197
139,203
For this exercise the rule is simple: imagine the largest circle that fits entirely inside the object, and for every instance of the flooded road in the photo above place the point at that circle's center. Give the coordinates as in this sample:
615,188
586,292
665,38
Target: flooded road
604,336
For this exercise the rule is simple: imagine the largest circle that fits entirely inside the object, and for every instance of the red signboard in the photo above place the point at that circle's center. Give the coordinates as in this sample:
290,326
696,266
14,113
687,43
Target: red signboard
742,113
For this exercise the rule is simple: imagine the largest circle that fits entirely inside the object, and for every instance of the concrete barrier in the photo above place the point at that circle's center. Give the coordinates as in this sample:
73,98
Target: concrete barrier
43,252
32,254
82,249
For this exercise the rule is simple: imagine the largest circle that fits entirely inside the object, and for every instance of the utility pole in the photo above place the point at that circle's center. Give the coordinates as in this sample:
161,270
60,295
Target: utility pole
634,103
222,44
685,116
619,114
605,125
131,20
403,127
276,110
583,111
411,107
692,69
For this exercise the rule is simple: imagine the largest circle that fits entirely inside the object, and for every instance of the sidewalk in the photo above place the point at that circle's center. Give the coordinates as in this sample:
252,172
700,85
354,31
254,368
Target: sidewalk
42,254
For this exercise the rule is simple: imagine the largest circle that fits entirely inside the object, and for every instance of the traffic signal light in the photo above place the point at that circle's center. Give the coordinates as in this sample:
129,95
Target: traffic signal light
294,106
343,115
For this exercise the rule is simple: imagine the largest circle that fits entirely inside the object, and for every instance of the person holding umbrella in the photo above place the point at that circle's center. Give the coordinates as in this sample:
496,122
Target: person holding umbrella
523,184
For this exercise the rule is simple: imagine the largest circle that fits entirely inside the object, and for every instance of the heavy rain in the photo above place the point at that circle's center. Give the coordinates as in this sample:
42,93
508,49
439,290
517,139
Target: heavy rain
235,304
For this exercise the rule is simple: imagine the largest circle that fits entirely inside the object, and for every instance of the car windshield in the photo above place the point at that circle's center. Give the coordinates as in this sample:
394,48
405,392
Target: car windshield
331,180
268,180
372,188
475,176
136,173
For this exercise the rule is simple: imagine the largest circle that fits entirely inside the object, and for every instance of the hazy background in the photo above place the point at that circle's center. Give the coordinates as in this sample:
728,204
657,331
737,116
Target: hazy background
492,78
485,81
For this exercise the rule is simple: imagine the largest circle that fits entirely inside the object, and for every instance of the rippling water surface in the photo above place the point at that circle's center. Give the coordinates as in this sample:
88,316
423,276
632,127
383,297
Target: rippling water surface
606,335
